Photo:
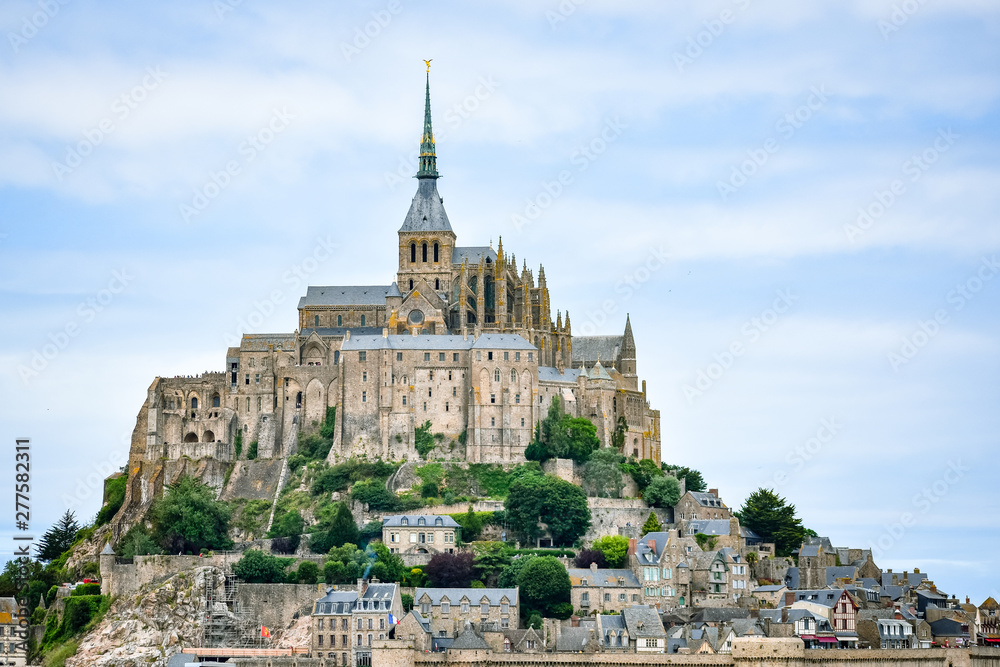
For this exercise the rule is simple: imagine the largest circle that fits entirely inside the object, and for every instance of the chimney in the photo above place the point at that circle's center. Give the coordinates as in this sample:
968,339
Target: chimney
651,544
754,612
347,335
784,614
631,546
593,567
385,332
714,492
897,614
966,599
789,598
574,621
362,586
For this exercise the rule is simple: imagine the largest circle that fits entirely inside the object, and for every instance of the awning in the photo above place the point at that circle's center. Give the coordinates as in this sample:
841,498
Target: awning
807,637
827,640
995,640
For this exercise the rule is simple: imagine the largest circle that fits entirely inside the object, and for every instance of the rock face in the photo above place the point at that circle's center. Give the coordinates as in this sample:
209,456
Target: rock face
147,628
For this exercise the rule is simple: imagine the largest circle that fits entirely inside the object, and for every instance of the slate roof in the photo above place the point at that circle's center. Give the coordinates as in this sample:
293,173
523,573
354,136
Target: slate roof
468,640
826,596
414,520
945,627
460,253
809,550
644,554
591,348
107,550
573,639
772,588
426,212
885,624
336,602
912,578
424,623
840,572
719,614
602,577
706,499
475,595
340,332
643,621
550,374
792,578
347,295
502,341
379,592
709,526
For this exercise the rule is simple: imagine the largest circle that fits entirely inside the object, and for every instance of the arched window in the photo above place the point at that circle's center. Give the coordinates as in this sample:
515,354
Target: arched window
413,253
215,400
208,437
362,320
513,376
194,403
423,252
340,320
496,375
191,437
316,321
435,252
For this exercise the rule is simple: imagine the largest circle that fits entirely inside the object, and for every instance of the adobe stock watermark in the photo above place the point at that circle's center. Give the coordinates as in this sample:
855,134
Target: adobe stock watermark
563,11
364,34
922,503
86,487
224,7
913,169
804,452
31,25
705,38
121,109
786,127
900,15
751,331
627,286
585,155
454,116
957,298
248,150
293,278
86,312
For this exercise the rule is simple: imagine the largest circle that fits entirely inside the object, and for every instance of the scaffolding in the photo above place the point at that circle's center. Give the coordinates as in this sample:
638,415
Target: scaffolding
228,623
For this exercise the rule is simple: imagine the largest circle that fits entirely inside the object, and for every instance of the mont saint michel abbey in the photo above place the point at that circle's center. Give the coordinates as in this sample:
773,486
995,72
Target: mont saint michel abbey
462,338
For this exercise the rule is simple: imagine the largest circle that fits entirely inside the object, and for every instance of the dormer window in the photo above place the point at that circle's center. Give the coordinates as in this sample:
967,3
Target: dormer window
439,521
405,521
421,521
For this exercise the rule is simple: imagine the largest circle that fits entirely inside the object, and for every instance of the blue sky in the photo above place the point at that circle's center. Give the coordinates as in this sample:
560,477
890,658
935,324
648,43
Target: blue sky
738,139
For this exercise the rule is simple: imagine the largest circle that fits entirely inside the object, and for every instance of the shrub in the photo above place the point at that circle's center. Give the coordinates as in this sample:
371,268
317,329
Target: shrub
252,451
423,440
662,492
86,589
308,573
614,548
114,492
238,444
257,567
562,610
407,601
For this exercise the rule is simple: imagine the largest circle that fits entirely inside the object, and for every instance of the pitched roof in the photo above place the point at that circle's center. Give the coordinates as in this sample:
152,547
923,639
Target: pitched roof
827,597
426,212
347,295
840,572
336,602
469,640
502,341
550,374
773,588
602,577
643,621
414,520
383,592
809,550
706,499
589,349
340,332
573,639
647,556
475,595
709,526
460,253
719,614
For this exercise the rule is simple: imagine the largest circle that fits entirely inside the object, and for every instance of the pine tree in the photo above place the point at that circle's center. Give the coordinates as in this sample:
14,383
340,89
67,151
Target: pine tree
58,538
652,525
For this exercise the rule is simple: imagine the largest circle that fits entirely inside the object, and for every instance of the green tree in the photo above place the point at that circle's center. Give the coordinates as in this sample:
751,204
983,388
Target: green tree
770,516
652,525
374,494
114,497
508,577
544,583
58,538
603,475
490,559
338,531
308,573
407,601
257,567
137,542
560,436
618,437
389,566
472,526
345,565
188,518
290,525
423,439
546,499
643,472
662,492
615,550
693,480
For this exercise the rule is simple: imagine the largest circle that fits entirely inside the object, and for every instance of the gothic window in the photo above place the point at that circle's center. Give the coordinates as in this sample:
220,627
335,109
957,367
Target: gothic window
496,375
215,400
435,254
423,252
413,253
316,321
194,403
513,375
298,400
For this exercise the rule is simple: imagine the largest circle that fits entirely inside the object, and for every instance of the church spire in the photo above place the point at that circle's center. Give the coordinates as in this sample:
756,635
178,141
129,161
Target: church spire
428,160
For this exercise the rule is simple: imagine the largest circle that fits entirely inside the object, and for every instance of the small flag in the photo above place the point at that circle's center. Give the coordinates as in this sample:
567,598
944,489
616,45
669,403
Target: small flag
264,632
393,620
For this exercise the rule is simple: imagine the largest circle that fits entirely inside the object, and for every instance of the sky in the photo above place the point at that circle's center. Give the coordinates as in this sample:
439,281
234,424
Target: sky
795,202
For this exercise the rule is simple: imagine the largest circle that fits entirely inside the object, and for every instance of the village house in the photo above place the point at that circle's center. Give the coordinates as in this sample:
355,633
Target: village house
448,609
836,605
661,562
420,533
719,577
698,505
10,651
601,590
346,622
645,628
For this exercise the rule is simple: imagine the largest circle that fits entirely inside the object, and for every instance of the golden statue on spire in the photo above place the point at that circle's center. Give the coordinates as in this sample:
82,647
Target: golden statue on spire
428,63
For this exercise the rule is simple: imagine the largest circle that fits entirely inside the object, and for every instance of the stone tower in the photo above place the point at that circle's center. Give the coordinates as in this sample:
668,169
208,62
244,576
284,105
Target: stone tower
628,356
426,239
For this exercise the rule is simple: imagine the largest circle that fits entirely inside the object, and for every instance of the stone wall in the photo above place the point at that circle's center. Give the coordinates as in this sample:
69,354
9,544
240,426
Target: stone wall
278,604
255,480
608,515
